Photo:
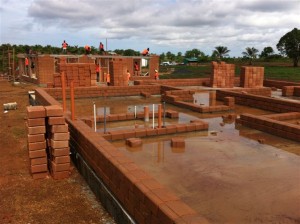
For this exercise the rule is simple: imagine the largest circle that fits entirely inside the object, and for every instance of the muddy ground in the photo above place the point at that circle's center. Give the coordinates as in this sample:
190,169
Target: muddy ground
24,200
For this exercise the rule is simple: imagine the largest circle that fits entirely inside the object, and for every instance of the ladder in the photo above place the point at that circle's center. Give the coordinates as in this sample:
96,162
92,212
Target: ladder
8,64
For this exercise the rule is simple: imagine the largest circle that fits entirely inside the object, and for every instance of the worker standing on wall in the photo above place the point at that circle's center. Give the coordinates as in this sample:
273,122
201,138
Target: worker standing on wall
101,48
87,49
145,52
64,46
156,75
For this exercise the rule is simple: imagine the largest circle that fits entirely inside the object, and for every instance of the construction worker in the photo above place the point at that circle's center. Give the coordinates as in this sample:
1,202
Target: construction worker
127,77
107,76
98,71
145,52
136,68
26,65
101,47
64,47
156,75
87,49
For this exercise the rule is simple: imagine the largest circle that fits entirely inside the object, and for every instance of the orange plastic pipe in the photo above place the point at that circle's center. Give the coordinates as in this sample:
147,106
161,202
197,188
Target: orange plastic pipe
72,101
146,113
63,88
159,115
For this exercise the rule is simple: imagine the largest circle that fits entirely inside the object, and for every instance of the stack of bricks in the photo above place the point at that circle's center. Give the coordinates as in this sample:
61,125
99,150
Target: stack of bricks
58,142
82,74
251,77
118,72
222,75
37,142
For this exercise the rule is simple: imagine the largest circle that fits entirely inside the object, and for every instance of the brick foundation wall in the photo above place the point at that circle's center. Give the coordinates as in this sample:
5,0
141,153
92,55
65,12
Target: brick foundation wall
279,84
176,82
83,92
273,124
261,102
144,198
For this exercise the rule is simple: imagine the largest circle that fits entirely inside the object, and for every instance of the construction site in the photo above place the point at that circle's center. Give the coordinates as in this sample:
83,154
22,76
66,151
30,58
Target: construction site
221,149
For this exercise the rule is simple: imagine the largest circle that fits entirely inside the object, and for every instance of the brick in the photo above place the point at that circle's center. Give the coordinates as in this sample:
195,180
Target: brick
59,167
59,128
60,151
38,168
61,159
37,153
60,175
37,161
60,136
54,111
36,122
41,175
59,144
37,145
36,112
56,120
177,142
134,142
36,138
36,130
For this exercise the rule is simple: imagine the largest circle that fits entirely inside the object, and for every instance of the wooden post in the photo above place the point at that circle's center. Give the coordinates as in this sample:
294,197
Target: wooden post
63,88
72,101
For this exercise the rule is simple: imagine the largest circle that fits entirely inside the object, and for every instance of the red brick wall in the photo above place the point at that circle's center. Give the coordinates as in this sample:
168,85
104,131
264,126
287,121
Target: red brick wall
45,68
262,102
279,84
143,197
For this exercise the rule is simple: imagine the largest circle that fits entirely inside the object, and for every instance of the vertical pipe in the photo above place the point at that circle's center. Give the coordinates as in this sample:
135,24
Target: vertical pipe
63,88
72,101
146,113
212,98
164,117
159,115
13,65
104,120
134,112
95,121
153,116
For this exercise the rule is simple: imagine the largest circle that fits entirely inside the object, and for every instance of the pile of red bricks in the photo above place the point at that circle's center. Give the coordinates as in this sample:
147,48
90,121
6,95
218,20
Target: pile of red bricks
82,74
58,139
252,77
118,72
36,141
222,75
48,142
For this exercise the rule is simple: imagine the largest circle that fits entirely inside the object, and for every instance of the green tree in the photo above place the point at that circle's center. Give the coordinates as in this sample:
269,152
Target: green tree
193,53
267,52
179,57
220,52
250,53
162,57
131,52
289,45
170,56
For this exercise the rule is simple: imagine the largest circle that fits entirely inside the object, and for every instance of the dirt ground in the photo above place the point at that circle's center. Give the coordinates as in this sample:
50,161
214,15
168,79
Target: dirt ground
24,200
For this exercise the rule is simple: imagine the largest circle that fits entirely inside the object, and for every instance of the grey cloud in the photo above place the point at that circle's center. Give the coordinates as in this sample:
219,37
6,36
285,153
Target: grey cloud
269,6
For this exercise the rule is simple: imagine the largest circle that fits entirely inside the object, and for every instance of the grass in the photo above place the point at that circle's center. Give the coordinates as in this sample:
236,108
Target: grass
273,70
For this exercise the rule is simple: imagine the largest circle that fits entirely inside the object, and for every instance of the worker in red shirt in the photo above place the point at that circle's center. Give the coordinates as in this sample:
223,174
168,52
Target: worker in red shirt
98,71
87,49
26,65
101,47
156,75
64,47
145,52
136,68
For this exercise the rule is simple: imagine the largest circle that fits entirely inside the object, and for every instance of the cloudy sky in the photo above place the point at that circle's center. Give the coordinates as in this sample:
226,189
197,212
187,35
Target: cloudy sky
161,25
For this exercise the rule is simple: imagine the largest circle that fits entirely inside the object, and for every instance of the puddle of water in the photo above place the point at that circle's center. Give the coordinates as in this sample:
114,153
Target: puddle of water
224,173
